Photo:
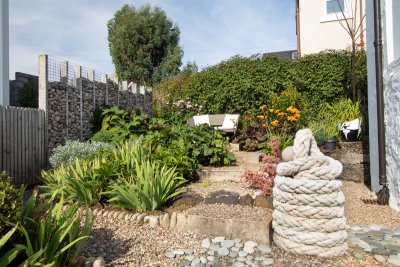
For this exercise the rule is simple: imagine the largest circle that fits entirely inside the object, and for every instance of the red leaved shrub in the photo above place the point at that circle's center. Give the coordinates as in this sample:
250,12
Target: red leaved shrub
263,179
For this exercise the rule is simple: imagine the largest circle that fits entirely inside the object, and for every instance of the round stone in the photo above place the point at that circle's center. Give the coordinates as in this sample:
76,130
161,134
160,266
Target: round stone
250,244
203,259
218,239
264,248
242,259
237,240
239,264
211,252
195,262
379,258
233,254
99,262
227,243
223,251
210,258
235,249
205,243
242,253
190,258
287,154
248,249
239,245
215,247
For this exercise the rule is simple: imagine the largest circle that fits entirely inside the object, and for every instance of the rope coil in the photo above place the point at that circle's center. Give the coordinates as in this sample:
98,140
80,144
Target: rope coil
309,205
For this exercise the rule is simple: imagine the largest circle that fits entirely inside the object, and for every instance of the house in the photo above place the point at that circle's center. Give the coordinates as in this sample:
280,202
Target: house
384,75
289,54
318,24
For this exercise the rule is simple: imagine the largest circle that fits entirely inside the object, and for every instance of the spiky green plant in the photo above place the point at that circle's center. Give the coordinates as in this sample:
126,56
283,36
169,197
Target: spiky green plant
12,253
53,236
149,189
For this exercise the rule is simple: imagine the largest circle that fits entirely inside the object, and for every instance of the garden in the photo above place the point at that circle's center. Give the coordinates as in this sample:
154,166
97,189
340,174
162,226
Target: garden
135,164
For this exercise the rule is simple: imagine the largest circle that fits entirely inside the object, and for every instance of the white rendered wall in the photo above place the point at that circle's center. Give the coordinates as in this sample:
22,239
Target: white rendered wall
318,32
372,109
391,23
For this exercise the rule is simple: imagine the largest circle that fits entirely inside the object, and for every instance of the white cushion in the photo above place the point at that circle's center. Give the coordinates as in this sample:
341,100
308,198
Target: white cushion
202,119
230,122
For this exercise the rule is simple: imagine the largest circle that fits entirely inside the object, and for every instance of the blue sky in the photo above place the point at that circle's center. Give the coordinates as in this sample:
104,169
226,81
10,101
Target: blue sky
211,30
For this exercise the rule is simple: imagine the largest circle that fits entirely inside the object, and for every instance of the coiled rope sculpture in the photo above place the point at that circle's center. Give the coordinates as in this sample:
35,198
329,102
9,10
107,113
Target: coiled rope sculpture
309,205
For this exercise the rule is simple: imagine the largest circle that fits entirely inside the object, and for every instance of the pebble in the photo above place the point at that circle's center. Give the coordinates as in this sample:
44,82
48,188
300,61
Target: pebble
165,221
227,243
242,253
264,248
189,258
178,252
242,259
358,255
250,244
210,258
239,264
235,249
380,258
188,251
203,259
218,239
215,247
233,254
248,249
223,251
195,262
185,262
239,245
89,261
99,262
205,243
170,255
268,261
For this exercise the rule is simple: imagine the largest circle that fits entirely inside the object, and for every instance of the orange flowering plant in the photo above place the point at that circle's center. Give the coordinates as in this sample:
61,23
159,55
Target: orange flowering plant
280,114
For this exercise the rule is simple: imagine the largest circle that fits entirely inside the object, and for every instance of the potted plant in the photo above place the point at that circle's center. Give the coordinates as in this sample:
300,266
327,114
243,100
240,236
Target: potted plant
325,129
350,119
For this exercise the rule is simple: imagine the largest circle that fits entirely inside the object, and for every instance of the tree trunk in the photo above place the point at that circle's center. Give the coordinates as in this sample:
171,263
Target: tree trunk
353,69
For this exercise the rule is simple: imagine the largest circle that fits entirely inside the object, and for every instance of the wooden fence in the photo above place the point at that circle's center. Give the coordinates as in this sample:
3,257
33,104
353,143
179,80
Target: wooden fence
23,144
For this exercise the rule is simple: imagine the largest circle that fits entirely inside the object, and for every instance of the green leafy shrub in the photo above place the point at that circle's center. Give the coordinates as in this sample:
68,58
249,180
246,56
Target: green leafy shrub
53,236
11,201
28,96
77,150
150,187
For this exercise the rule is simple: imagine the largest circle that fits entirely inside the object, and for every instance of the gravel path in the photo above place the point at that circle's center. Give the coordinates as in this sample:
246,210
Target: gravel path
125,244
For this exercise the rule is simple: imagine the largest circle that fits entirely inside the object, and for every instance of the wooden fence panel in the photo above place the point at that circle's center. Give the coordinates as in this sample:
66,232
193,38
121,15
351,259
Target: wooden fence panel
23,148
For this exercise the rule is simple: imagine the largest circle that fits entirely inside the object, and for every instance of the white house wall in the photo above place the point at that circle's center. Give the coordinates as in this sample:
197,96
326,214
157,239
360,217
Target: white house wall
317,33
392,112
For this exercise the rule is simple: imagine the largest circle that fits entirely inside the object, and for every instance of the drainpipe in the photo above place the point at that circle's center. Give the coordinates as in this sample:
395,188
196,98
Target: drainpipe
361,26
298,28
383,194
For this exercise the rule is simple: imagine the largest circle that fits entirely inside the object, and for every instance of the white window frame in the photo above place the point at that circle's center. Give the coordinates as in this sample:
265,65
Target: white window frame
338,15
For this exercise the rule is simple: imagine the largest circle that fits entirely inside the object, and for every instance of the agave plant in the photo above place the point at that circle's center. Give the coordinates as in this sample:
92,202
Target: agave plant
150,187
53,236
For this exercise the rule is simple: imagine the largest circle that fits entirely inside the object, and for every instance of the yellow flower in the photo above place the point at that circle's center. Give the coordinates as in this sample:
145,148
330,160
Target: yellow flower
277,111
281,114
275,123
297,115
248,112
260,117
271,110
263,107
264,125
291,118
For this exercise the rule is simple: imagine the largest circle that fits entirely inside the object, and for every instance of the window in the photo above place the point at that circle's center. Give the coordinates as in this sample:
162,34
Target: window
334,6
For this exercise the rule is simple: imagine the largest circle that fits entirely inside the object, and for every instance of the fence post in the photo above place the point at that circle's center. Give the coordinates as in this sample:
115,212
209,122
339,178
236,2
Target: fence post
64,79
104,79
43,96
91,77
78,77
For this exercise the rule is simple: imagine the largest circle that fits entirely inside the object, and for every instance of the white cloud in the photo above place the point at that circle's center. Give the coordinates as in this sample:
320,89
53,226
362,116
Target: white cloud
211,31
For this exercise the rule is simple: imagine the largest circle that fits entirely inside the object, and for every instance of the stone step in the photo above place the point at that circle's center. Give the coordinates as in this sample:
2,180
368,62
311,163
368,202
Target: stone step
226,173
243,157
258,231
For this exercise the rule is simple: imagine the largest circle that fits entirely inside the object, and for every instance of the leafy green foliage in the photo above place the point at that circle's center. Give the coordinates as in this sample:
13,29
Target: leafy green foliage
11,201
28,96
77,150
119,125
53,236
150,187
6,257
144,44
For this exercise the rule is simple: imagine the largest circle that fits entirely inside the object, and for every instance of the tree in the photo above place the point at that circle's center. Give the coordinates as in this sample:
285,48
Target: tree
144,44
354,29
